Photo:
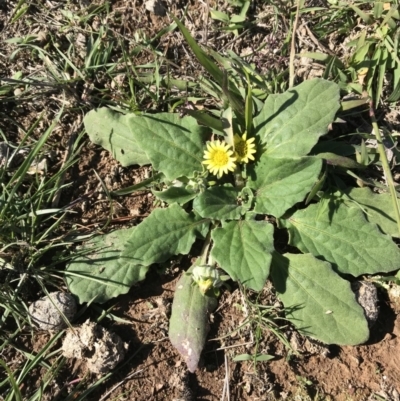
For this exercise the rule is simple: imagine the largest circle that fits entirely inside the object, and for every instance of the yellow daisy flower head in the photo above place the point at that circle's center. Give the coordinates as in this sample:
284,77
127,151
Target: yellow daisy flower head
244,148
219,158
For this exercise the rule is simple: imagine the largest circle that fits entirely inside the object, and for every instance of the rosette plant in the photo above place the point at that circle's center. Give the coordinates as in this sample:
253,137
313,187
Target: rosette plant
230,179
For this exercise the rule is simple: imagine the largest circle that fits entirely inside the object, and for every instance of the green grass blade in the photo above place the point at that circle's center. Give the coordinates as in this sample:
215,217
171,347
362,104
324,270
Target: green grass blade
381,74
366,17
15,393
249,108
23,169
386,167
202,57
206,119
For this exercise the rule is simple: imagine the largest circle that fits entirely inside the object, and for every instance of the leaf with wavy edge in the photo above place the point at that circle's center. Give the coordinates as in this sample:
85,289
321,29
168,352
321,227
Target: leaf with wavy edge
243,249
342,236
110,130
317,300
174,145
166,232
291,123
98,272
281,183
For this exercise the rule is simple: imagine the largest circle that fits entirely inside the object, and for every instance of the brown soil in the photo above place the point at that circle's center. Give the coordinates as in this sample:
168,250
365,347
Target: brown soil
154,370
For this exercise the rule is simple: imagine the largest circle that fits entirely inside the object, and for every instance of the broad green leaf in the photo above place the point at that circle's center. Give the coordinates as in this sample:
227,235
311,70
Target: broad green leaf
377,207
318,301
179,195
219,203
99,273
188,325
342,236
243,249
291,123
110,130
166,232
174,145
281,183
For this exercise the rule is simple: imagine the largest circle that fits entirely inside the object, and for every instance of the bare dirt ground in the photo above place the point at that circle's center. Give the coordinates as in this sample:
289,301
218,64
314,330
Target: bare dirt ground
153,370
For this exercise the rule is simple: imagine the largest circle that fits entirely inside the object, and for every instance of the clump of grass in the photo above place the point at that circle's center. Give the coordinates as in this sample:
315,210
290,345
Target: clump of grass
30,238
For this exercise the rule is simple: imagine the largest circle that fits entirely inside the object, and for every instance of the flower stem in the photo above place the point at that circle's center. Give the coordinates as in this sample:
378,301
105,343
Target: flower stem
239,181
385,165
206,247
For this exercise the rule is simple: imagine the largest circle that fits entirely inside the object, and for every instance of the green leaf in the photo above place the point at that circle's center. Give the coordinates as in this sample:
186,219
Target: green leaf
179,195
281,183
166,232
257,358
291,123
98,272
319,302
378,208
174,145
335,160
219,203
243,249
219,16
342,236
201,56
188,326
206,119
229,88
111,131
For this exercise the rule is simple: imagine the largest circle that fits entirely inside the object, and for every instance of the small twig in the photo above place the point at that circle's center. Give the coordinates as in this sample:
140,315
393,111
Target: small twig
316,41
293,46
385,164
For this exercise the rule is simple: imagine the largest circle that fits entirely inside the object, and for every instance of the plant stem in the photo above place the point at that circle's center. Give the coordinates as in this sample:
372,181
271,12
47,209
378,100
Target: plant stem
385,164
206,247
239,181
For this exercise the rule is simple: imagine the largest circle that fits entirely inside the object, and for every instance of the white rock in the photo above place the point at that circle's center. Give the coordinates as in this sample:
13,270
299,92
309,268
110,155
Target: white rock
45,313
97,347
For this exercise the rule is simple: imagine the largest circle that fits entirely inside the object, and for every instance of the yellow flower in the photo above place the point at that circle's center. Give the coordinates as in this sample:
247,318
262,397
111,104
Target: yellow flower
244,148
219,158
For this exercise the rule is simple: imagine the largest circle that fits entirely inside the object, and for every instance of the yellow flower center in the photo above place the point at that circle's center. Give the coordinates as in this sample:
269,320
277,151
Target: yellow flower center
220,158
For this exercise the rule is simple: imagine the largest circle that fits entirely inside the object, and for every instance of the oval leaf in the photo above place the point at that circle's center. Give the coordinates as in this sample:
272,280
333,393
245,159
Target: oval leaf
281,183
174,145
179,195
219,203
291,123
99,273
188,326
243,249
110,130
317,301
342,236
166,232
378,208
